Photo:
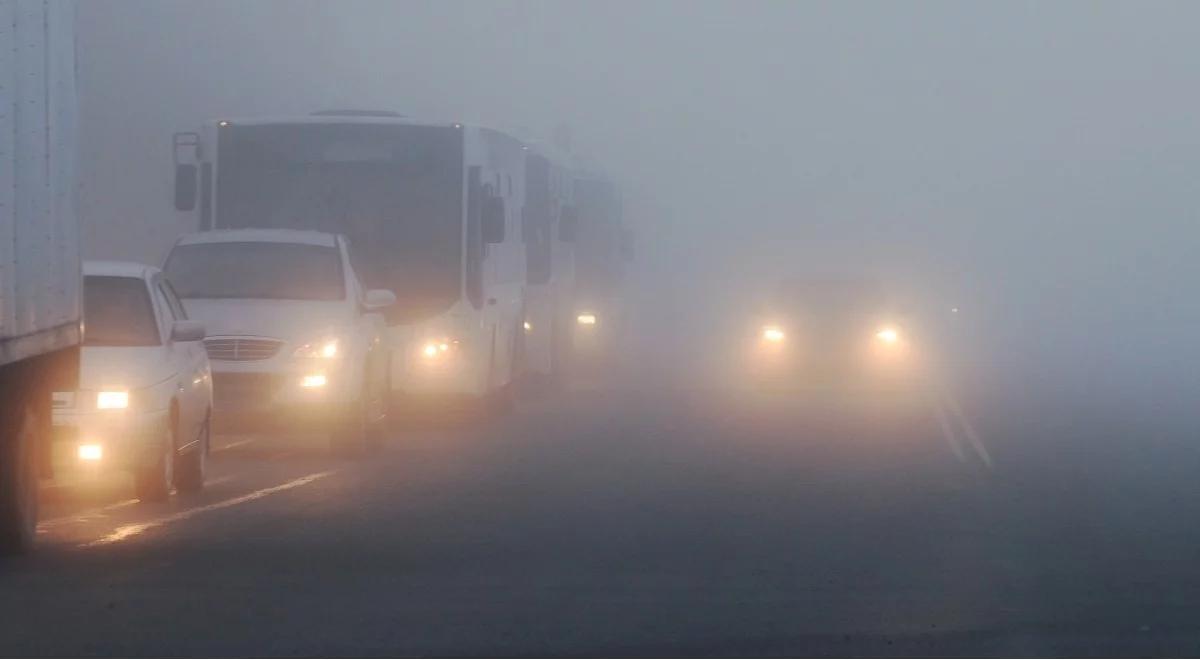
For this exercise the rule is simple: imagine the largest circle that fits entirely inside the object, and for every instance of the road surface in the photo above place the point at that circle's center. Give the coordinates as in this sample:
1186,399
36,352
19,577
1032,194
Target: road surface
648,520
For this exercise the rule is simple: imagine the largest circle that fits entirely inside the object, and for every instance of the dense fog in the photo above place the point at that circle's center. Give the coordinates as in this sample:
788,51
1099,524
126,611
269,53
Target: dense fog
1031,164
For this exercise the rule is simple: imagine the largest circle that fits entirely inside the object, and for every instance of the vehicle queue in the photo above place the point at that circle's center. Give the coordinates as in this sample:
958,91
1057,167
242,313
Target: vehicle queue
345,263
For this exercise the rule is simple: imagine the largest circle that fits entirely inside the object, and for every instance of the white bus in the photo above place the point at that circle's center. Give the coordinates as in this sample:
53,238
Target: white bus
432,212
549,223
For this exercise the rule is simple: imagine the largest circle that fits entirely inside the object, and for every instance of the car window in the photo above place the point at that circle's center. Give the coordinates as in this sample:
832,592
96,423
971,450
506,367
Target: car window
117,312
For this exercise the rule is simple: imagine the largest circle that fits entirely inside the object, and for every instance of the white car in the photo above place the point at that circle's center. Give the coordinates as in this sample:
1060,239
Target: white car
294,339
145,397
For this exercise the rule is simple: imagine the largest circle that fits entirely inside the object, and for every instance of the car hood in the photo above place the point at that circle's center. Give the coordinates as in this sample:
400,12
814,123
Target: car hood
123,368
289,320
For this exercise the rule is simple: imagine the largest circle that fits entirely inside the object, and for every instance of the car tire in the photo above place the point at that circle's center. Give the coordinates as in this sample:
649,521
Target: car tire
152,483
192,467
18,482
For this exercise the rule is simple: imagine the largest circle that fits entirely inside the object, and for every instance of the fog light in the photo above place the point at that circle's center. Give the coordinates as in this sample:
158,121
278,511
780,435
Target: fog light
91,452
313,380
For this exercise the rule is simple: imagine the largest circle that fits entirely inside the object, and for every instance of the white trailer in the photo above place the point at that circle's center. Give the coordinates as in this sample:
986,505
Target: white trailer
40,312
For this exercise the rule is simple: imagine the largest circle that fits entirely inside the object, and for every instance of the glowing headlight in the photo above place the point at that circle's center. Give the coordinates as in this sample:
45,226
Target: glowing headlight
318,349
888,335
91,452
112,400
313,380
587,318
773,334
436,348
528,326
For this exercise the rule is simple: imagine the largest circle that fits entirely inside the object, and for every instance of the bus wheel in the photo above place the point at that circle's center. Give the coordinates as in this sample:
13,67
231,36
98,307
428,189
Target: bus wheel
18,480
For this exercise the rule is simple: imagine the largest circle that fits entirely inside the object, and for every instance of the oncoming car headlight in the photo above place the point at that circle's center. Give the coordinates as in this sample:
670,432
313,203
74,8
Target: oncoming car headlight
586,318
773,334
325,348
888,335
112,400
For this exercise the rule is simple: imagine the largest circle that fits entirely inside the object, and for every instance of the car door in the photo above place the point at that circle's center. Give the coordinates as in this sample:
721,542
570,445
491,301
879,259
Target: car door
191,366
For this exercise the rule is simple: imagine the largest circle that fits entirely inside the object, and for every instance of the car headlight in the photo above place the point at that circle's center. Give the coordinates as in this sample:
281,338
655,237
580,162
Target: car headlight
888,335
437,349
773,334
586,318
326,349
112,400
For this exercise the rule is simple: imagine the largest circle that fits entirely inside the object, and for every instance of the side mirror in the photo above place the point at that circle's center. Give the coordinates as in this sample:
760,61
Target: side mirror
187,331
376,299
493,220
568,224
185,186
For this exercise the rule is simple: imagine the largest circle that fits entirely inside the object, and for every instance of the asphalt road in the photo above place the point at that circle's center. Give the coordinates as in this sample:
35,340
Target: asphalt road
647,520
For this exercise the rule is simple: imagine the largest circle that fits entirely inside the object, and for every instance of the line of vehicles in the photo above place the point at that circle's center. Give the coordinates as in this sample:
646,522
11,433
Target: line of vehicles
341,262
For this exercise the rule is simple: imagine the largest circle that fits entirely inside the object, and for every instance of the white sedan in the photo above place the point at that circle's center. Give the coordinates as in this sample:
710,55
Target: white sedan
294,338
145,396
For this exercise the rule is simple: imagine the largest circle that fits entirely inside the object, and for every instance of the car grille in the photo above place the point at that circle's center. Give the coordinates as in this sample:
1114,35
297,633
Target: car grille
241,349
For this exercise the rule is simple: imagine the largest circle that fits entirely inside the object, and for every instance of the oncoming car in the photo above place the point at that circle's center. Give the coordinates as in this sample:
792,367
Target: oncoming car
823,331
294,339
145,396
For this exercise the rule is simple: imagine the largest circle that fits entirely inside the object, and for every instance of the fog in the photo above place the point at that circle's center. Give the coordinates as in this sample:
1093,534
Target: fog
1033,164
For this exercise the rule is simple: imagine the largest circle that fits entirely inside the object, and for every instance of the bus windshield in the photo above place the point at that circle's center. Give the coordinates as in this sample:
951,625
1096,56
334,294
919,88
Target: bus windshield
394,190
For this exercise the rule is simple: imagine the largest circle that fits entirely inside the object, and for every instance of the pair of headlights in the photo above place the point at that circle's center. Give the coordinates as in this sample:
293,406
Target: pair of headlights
774,334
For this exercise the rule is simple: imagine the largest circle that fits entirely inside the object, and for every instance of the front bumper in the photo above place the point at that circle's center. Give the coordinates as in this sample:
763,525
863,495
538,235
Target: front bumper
123,439
290,396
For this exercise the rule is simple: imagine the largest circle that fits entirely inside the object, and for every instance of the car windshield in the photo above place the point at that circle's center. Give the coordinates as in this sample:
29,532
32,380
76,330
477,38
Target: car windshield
282,271
117,312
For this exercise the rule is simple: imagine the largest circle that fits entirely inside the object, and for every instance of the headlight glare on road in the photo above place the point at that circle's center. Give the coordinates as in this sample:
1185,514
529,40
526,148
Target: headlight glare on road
326,348
112,400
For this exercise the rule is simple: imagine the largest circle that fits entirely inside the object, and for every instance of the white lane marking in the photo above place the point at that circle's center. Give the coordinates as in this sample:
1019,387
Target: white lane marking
235,443
969,430
947,431
89,515
128,531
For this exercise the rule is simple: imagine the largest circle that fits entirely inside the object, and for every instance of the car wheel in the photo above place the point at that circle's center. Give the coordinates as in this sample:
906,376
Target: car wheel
18,482
193,466
152,483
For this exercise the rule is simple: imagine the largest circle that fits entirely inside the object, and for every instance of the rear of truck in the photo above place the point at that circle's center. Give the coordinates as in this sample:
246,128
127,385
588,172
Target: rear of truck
40,280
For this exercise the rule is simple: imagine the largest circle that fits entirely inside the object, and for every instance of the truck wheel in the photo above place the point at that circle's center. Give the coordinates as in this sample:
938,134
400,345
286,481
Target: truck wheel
193,466
152,483
18,482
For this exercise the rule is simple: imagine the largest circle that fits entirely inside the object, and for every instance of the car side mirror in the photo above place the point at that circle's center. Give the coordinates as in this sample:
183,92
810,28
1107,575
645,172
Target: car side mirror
568,224
493,220
188,331
185,186
377,299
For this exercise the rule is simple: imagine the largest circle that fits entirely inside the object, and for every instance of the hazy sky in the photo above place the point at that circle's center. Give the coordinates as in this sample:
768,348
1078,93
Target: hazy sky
1037,159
